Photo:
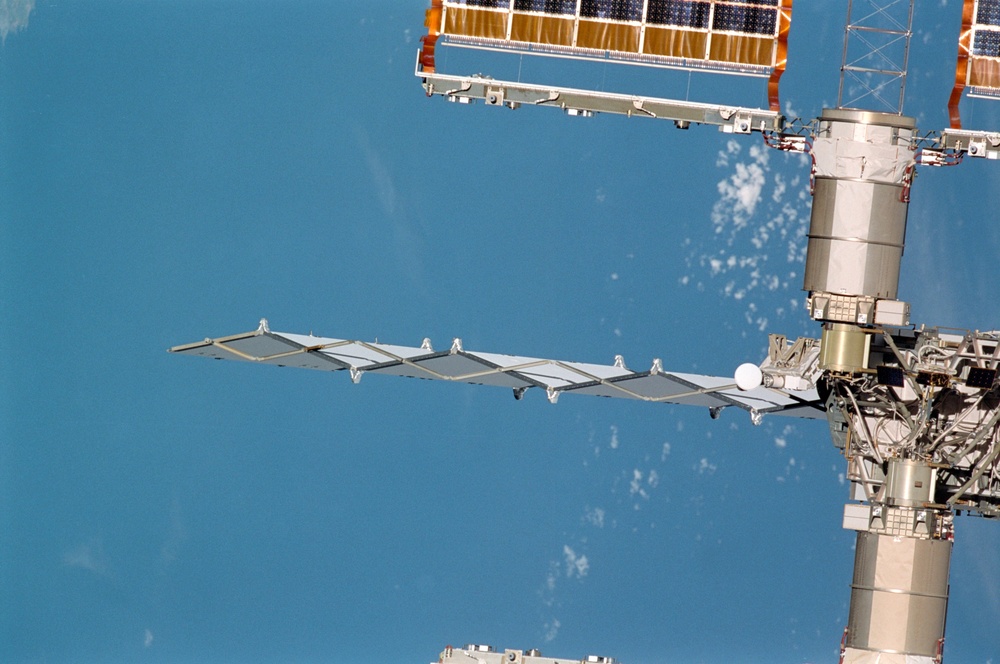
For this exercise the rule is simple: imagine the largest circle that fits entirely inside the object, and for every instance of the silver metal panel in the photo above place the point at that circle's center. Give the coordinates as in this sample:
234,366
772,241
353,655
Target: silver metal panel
985,144
511,371
204,350
731,119
260,346
361,355
458,367
506,361
357,356
660,387
306,360
568,372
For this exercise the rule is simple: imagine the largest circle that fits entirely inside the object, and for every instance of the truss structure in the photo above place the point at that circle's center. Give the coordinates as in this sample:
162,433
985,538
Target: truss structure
876,51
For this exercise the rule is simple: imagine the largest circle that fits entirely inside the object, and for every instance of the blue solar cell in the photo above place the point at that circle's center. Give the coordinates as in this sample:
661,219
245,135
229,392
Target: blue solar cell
492,4
681,13
988,12
746,19
560,7
986,43
616,10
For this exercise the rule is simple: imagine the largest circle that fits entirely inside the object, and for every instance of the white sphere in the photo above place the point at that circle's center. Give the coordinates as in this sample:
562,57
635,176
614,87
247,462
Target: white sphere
748,376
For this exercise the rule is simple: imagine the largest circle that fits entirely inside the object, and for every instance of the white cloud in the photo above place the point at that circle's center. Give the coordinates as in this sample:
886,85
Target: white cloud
547,593
781,440
577,566
739,195
176,535
759,223
89,556
551,630
405,237
733,148
780,185
14,16
635,486
573,565
595,517
380,175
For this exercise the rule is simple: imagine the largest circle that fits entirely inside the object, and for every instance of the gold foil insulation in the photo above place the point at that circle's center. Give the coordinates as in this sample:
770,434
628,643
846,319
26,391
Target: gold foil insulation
844,348
744,36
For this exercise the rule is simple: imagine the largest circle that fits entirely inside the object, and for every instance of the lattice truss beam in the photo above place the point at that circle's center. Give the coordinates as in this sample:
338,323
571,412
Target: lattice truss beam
876,51
515,372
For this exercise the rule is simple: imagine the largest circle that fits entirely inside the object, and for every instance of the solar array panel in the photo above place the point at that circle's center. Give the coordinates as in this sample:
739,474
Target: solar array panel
978,66
511,371
986,44
745,36
555,7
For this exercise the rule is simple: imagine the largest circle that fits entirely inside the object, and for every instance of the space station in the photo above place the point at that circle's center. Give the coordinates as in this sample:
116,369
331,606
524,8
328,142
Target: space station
913,408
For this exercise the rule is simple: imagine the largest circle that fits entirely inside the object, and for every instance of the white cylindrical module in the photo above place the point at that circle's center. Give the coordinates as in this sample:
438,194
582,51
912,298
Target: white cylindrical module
863,161
899,598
